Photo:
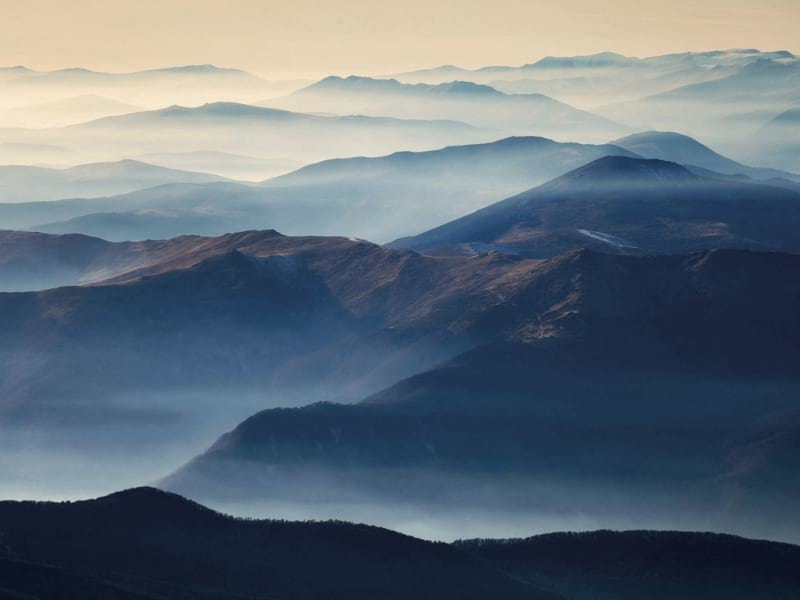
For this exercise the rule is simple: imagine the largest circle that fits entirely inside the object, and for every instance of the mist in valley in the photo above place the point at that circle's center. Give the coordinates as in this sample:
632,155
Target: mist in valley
483,301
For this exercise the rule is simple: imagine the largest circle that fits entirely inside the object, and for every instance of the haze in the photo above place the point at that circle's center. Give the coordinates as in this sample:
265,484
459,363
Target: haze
310,39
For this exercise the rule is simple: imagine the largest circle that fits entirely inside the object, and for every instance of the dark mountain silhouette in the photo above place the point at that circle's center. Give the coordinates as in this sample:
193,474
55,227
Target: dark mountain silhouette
660,565
628,205
23,580
146,544
623,382
157,545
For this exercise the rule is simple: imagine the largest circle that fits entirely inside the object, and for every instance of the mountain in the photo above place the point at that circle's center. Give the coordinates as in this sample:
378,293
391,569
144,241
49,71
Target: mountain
35,184
258,316
175,548
65,111
10,73
594,81
143,543
782,75
479,105
214,298
381,198
373,198
778,138
234,166
607,386
77,76
646,564
30,261
627,205
566,67
675,147
73,90
535,356
726,111
410,190
121,379
37,261
248,130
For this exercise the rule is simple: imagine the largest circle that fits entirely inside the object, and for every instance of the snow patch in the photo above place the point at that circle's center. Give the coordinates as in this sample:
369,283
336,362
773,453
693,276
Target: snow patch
607,238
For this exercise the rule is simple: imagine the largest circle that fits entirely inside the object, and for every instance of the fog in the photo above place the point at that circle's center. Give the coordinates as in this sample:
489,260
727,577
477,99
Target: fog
123,364
120,440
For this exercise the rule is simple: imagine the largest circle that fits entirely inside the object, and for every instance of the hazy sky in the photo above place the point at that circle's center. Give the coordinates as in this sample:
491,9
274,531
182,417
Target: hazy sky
289,38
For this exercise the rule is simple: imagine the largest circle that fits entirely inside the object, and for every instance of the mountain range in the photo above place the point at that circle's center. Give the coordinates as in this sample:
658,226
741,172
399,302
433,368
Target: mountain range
35,184
354,196
392,300
259,319
177,549
631,390
627,205
250,130
341,196
600,79
153,87
477,104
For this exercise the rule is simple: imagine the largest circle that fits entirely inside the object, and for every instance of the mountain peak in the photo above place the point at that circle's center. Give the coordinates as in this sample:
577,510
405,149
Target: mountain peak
626,171
666,145
601,59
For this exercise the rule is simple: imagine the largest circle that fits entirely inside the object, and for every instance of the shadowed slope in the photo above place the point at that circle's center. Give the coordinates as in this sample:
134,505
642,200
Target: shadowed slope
155,542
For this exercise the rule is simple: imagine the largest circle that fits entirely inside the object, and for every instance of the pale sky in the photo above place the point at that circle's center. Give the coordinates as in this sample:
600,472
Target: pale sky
308,38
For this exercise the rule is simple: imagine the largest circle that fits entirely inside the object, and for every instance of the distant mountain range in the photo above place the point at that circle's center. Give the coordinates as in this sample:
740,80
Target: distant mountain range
609,60
177,549
34,184
721,96
373,198
249,130
76,76
627,205
599,79
727,111
479,105
342,196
